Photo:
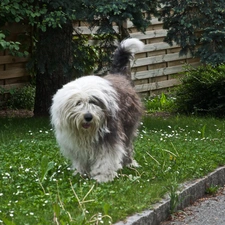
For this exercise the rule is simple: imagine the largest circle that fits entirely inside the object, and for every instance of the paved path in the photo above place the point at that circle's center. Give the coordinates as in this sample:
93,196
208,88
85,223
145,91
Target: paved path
205,211
210,211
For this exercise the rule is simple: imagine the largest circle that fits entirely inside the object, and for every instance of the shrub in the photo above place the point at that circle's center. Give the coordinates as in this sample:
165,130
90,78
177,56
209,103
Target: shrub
22,98
202,91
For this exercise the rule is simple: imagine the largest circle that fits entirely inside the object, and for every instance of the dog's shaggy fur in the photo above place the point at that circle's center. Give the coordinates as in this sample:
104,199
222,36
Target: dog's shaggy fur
95,119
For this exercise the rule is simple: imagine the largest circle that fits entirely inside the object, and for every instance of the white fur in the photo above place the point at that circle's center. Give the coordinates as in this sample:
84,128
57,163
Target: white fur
133,44
79,144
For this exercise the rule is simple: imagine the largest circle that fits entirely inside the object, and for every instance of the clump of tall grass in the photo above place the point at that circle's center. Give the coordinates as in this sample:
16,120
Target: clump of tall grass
159,103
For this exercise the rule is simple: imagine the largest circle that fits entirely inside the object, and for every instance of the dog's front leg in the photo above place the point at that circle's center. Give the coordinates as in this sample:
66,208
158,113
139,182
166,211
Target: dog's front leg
105,167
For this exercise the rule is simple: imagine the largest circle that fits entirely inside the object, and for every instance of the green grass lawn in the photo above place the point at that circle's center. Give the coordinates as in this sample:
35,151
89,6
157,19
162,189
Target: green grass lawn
38,187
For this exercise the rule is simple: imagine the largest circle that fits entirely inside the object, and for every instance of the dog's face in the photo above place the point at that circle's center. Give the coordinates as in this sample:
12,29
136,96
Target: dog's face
85,114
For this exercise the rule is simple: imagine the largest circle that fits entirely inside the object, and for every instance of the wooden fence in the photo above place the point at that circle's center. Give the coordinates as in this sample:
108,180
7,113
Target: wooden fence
159,66
156,69
13,71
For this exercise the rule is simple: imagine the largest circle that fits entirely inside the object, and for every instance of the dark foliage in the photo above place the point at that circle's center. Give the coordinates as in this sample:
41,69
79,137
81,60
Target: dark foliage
198,26
202,91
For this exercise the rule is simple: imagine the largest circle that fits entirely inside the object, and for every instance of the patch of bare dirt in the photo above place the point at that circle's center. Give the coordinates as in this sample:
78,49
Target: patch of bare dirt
11,113
160,114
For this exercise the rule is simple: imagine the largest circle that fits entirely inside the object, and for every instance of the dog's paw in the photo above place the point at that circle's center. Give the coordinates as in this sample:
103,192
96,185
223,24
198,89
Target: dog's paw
134,164
105,177
75,172
83,175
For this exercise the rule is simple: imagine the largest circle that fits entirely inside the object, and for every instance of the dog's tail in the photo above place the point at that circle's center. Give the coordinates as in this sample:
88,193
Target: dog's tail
123,54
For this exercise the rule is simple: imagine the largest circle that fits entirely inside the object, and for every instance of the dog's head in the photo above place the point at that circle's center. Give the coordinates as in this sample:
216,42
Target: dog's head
83,106
84,113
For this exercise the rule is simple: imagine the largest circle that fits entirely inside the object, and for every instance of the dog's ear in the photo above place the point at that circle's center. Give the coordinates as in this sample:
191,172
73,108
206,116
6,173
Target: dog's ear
97,101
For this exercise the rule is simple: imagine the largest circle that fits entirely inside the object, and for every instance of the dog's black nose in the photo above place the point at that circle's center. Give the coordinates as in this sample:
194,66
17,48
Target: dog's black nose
88,117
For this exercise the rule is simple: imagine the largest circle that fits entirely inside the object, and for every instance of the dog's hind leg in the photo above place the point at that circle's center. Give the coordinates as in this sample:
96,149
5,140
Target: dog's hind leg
128,159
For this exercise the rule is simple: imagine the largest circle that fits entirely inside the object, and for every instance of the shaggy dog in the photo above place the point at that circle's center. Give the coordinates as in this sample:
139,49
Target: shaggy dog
95,119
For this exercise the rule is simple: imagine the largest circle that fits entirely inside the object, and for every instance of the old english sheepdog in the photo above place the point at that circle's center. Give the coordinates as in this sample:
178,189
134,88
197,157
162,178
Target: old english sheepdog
95,119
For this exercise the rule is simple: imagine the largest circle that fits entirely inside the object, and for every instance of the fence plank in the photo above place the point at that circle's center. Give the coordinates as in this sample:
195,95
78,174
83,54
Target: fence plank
160,72
159,46
88,31
160,59
13,73
149,34
156,85
8,59
7,87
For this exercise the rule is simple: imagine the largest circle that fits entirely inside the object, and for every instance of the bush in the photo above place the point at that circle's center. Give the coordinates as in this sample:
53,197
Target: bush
22,98
202,91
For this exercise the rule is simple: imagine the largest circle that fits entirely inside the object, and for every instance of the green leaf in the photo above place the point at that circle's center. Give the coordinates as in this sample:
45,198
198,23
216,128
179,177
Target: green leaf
8,222
56,209
3,44
17,19
2,35
106,208
46,166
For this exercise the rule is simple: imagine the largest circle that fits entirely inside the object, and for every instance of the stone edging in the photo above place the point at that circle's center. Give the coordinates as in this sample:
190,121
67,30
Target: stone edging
190,192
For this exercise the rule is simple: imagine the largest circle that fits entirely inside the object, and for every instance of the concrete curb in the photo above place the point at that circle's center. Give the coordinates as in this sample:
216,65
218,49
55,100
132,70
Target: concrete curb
191,191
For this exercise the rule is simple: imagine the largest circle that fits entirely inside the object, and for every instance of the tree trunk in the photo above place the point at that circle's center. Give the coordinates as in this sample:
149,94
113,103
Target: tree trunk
54,65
